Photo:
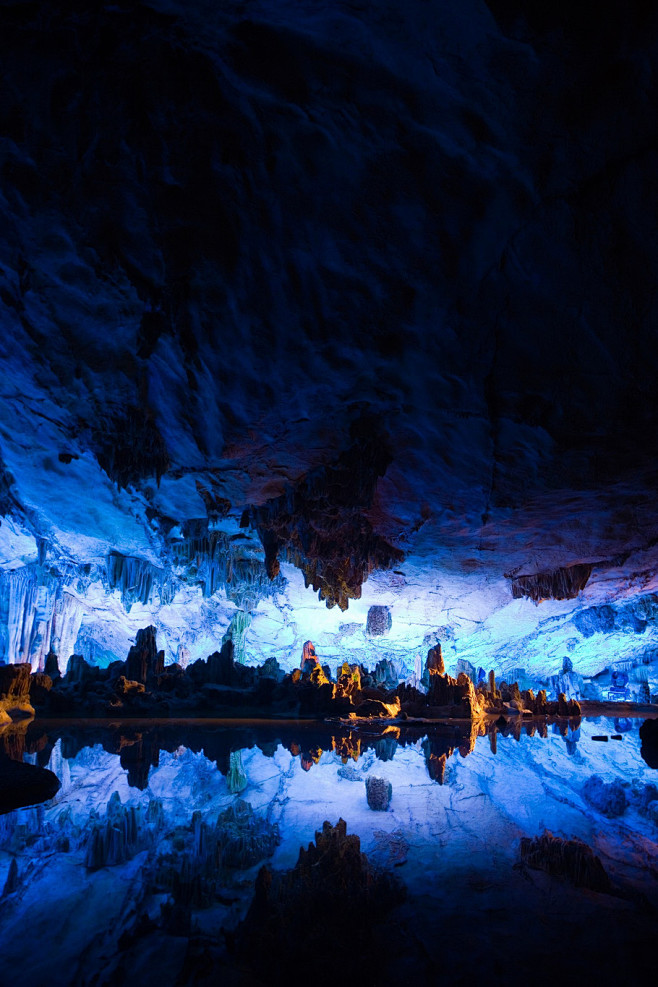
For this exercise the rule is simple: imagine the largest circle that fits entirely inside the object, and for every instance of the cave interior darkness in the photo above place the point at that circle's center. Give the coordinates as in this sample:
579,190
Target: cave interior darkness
330,322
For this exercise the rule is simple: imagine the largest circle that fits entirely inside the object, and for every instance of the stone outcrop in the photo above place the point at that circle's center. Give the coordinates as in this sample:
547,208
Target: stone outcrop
115,837
564,583
24,784
51,666
609,799
144,660
40,686
649,738
379,792
570,859
15,691
321,524
434,663
143,684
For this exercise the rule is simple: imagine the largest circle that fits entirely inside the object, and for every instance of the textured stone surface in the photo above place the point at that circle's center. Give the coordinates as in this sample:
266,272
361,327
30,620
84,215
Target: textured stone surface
379,621
294,283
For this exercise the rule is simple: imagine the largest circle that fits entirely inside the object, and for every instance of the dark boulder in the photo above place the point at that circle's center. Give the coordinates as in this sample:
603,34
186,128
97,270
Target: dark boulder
333,895
40,686
649,738
24,784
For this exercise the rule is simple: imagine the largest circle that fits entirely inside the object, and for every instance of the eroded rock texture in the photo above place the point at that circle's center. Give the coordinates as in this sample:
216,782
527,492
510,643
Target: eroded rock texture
375,281
571,859
299,915
559,584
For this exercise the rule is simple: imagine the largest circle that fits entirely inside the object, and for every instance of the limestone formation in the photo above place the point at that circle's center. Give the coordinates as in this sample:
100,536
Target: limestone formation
40,686
236,779
379,621
116,836
144,660
11,883
51,666
124,687
649,738
15,690
309,657
609,799
434,663
571,859
564,583
378,793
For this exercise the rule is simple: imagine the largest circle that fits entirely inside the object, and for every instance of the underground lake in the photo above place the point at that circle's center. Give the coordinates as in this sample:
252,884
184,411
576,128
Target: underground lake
171,852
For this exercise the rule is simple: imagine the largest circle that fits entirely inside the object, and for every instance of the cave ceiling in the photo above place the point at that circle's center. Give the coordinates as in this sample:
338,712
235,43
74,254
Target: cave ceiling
363,292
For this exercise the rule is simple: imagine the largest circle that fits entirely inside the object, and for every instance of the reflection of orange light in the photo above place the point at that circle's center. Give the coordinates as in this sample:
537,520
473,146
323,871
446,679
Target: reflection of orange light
346,747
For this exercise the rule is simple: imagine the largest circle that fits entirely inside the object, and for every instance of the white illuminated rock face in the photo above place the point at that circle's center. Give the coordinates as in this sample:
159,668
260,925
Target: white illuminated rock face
368,296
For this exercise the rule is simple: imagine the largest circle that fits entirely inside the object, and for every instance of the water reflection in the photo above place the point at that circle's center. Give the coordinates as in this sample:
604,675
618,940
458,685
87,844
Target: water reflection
154,840
140,744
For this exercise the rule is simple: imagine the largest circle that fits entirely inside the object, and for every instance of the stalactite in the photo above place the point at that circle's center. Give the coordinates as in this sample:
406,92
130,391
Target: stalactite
59,765
216,564
236,631
193,868
138,580
557,584
236,779
116,837
566,858
38,614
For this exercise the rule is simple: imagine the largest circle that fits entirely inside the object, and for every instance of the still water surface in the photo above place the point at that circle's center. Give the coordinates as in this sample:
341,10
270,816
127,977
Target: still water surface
113,881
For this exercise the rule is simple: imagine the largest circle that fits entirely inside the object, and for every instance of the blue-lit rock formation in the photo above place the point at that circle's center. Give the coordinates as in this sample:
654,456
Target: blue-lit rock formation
358,297
163,876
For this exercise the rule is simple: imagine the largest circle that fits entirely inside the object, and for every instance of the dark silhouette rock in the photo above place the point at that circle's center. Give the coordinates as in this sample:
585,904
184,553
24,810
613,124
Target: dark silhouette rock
79,671
144,660
434,663
11,884
24,784
51,666
332,878
649,738
558,584
40,686
373,708
571,859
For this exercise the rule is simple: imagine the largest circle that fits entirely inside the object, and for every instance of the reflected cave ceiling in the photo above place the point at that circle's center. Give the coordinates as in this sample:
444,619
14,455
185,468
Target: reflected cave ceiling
354,294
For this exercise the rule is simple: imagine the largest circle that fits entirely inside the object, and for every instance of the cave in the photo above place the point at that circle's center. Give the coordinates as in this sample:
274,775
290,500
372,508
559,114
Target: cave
328,516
